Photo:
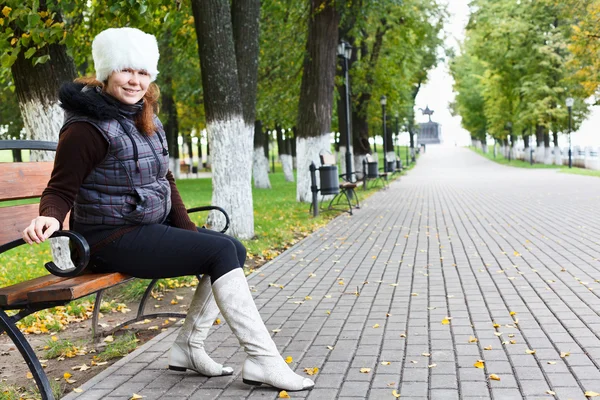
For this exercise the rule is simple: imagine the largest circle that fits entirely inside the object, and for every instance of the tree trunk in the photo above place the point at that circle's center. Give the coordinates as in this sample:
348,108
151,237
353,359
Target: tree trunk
286,157
17,155
37,89
229,133
547,152
260,162
293,150
170,124
200,161
316,91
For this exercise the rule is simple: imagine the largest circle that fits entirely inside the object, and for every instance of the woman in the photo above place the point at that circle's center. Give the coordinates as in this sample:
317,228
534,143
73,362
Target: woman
111,169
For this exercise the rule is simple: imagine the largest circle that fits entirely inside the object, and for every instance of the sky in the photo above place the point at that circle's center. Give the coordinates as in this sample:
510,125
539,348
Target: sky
437,92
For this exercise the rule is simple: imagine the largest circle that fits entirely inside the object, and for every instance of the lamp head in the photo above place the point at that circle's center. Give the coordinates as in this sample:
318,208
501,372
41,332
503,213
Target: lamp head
383,100
570,101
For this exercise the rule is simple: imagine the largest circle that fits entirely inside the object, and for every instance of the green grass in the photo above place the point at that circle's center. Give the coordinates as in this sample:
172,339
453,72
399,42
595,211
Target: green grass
11,392
123,345
525,164
580,171
500,159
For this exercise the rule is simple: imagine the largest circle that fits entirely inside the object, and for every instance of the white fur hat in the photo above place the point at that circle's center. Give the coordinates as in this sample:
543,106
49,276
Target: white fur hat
115,49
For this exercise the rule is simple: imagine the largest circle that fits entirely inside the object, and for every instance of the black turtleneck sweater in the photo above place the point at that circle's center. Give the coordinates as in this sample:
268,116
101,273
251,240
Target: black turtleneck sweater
80,148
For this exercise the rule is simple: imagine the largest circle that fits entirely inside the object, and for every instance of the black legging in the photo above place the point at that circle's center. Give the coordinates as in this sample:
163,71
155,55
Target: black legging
162,251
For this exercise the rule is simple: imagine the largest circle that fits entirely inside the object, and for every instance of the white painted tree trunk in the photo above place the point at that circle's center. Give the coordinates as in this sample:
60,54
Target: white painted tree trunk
174,167
512,152
502,150
484,148
288,167
307,150
43,122
358,161
539,153
526,154
231,150
557,156
547,156
260,169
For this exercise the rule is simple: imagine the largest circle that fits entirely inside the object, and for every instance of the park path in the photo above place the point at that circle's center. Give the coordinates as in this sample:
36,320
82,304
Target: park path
507,257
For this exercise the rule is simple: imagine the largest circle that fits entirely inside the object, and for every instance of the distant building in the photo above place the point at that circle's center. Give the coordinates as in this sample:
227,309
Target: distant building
429,132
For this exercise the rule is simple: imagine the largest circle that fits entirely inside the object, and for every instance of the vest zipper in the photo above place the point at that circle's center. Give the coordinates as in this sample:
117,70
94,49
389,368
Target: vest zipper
159,168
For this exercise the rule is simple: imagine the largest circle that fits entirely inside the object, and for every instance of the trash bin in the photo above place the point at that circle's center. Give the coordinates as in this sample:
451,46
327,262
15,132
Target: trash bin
390,165
330,183
372,169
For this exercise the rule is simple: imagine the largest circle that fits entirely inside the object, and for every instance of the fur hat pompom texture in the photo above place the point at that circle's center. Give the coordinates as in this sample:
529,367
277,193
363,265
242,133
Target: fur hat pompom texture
116,49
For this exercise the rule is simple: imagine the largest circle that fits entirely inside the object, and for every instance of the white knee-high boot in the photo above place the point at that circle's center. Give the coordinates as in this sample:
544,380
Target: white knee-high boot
264,364
188,350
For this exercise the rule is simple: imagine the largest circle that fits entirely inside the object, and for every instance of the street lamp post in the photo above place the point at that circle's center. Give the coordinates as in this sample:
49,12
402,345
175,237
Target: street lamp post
383,101
397,138
345,52
570,101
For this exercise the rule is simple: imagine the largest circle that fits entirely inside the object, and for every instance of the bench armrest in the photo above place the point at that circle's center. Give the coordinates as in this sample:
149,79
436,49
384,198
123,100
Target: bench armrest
78,244
211,208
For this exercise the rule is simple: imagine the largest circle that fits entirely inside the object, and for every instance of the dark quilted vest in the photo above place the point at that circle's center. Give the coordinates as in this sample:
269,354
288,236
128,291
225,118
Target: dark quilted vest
115,193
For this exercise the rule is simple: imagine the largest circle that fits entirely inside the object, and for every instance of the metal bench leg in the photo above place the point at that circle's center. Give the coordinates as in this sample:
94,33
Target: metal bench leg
141,315
7,324
97,302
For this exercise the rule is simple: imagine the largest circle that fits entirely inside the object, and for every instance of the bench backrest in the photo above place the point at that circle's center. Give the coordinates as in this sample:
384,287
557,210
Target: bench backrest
21,180
328,159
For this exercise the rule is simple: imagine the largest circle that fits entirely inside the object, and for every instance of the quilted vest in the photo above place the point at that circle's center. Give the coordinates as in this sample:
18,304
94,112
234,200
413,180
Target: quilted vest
116,192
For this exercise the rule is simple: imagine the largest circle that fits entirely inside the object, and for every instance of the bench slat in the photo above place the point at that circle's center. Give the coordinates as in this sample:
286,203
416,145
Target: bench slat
18,293
15,219
24,180
74,288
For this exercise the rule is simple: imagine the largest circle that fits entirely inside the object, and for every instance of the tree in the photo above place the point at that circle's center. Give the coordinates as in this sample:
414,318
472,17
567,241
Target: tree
316,91
230,134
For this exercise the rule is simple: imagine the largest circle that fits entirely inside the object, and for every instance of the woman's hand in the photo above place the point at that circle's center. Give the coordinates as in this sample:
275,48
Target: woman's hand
40,229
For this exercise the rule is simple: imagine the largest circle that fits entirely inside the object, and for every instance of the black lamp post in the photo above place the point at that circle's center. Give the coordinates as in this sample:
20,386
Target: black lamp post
383,101
570,101
397,138
345,52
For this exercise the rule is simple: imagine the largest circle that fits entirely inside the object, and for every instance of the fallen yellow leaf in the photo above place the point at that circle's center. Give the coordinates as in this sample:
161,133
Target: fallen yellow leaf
136,396
479,364
591,394
395,393
494,377
109,339
217,321
311,371
445,321
29,375
385,363
376,326
284,395
564,354
432,365
330,347
512,313
550,392
487,348
365,370
54,338
78,390
289,359
67,375
551,362
425,354
528,351
473,339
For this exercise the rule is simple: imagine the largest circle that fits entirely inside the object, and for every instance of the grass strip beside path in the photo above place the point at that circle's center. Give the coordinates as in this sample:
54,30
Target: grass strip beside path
500,159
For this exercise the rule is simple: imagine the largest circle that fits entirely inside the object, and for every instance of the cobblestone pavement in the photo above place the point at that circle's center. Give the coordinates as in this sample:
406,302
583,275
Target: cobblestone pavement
462,260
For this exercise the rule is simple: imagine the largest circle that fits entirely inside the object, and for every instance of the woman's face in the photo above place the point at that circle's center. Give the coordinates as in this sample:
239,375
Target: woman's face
129,85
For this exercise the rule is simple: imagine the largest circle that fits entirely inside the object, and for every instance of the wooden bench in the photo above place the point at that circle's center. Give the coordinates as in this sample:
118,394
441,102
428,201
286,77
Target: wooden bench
26,181
372,173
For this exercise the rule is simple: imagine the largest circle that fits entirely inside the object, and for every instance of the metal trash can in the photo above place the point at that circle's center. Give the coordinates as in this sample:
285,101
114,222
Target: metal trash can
390,165
372,169
330,183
